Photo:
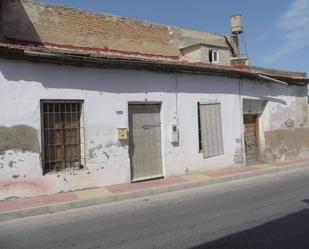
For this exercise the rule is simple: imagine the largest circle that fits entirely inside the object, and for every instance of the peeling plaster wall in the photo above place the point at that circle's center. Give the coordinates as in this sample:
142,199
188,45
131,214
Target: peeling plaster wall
19,137
283,125
105,93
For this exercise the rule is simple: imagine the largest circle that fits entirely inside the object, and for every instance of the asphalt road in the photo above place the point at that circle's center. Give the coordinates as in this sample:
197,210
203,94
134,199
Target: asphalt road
264,212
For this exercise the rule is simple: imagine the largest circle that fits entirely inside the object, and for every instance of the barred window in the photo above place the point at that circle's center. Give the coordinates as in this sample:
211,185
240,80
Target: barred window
62,129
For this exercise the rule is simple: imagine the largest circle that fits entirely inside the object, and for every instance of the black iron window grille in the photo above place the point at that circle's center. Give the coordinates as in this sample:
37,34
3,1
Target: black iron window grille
62,129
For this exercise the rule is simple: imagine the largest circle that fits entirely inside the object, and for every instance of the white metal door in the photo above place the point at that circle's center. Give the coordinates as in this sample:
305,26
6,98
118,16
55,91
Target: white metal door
145,141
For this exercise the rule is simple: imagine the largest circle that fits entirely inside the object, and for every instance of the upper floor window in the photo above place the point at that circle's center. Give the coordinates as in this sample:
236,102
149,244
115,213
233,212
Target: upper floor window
214,56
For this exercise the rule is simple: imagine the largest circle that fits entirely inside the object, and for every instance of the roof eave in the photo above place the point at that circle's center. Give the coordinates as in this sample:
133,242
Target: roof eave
112,62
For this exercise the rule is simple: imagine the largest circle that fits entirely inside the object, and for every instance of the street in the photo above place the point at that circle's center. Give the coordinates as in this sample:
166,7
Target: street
264,212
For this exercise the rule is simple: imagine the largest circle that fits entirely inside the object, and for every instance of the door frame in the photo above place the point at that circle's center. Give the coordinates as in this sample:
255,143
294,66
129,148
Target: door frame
161,138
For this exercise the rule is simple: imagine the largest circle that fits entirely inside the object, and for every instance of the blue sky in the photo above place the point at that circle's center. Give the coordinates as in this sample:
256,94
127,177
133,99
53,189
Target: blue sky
277,31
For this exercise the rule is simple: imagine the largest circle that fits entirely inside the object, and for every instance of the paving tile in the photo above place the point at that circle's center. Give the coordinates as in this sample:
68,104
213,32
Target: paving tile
37,201
196,177
92,193
63,201
264,166
291,162
231,171
145,185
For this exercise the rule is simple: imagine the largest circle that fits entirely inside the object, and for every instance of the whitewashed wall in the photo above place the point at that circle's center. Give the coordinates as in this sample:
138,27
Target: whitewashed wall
105,92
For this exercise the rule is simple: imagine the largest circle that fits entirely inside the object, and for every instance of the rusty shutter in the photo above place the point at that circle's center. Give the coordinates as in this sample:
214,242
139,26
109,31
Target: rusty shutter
211,129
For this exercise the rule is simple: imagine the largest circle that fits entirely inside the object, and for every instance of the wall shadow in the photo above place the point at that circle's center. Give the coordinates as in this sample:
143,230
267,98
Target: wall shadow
136,81
289,232
16,25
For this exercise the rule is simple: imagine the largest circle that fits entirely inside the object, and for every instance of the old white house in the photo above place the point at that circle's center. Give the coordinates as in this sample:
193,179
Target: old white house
91,100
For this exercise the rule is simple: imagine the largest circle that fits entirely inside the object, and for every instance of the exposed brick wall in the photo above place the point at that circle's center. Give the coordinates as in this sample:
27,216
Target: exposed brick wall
53,24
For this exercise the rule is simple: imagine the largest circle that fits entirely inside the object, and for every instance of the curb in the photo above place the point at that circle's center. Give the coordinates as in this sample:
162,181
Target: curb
49,209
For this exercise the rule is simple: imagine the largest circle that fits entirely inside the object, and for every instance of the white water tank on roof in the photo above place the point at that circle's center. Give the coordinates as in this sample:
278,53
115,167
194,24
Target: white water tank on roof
236,24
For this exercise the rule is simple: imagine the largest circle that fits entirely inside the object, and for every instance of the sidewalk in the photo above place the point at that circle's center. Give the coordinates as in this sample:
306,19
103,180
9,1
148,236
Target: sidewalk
24,207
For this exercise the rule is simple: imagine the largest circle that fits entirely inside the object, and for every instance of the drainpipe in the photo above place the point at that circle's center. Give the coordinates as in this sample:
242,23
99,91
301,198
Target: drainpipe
241,122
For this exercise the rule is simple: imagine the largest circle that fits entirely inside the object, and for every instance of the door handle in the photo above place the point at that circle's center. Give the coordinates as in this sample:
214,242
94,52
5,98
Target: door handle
146,127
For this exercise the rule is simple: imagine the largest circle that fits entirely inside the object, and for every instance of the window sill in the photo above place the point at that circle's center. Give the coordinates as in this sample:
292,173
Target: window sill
65,171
